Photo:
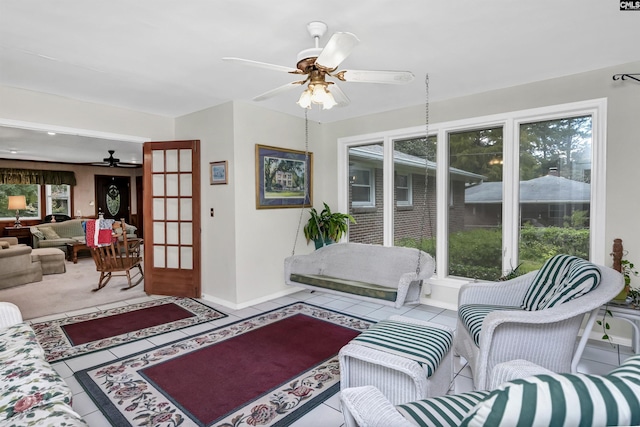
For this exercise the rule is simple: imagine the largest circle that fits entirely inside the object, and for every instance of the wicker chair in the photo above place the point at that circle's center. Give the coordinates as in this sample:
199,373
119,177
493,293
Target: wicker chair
546,337
367,406
121,256
522,393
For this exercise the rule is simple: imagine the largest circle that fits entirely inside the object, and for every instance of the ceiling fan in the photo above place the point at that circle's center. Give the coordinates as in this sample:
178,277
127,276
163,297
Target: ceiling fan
317,63
114,162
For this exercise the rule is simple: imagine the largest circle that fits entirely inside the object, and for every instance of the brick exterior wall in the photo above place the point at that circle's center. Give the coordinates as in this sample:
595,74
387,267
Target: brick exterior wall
410,221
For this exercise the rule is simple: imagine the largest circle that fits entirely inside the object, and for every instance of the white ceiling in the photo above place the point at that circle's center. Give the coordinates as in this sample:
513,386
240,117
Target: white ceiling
164,56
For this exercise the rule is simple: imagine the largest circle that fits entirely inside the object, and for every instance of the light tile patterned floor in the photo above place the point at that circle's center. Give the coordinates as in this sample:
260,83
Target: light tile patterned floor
598,358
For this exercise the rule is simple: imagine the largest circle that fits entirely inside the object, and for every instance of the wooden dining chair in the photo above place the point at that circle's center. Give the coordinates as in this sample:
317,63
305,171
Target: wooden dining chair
119,257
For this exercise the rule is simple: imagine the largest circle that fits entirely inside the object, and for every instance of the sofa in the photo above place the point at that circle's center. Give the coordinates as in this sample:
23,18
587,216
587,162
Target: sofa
32,393
59,234
17,266
383,274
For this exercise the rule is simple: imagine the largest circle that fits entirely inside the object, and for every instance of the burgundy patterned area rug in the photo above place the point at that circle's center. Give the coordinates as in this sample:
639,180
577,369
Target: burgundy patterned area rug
267,370
74,336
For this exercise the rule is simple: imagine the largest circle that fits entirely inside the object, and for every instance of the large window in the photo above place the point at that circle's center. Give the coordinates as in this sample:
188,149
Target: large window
509,190
475,210
32,197
555,188
57,200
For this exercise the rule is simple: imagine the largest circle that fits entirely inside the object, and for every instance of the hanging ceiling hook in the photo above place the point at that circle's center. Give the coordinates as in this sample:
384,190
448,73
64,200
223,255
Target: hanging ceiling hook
634,76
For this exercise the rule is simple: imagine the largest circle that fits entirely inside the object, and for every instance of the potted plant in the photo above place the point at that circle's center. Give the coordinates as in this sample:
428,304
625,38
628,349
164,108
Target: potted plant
627,269
326,227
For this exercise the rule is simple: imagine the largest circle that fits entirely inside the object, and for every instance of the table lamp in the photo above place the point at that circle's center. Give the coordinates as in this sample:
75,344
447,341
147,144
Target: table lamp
17,203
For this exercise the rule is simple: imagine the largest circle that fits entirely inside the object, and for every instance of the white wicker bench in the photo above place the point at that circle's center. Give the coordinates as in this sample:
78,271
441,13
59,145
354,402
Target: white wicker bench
405,358
381,274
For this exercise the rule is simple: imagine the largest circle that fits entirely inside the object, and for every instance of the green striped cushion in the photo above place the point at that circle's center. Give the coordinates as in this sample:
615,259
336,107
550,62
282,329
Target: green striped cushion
552,272
582,277
423,344
441,411
472,316
564,400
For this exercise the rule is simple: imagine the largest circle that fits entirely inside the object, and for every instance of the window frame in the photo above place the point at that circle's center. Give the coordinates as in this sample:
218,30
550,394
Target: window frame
44,204
28,218
409,188
510,121
372,186
49,199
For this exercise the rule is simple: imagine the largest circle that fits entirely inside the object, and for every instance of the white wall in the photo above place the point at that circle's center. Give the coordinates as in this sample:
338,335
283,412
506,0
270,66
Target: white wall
214,128
623,133
265,237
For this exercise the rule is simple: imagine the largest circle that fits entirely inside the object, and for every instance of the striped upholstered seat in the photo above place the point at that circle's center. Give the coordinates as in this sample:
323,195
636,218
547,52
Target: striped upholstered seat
472,316
564,400
545,399
406,359
424,344
441,411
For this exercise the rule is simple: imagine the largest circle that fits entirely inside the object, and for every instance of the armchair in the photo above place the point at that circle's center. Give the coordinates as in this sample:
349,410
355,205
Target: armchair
531,396
545,336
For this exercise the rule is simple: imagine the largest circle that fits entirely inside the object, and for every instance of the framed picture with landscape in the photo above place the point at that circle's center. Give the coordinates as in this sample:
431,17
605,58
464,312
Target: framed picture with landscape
283,178
218,172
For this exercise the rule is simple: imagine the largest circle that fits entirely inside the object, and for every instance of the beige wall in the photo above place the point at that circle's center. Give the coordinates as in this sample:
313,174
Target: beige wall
84,191
243,248
46,109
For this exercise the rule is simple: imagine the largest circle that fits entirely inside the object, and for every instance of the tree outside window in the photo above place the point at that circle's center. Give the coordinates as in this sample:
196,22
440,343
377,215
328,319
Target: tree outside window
32,196
58,199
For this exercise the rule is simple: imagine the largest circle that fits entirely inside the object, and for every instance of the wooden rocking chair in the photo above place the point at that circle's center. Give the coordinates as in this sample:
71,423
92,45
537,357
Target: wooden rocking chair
121,256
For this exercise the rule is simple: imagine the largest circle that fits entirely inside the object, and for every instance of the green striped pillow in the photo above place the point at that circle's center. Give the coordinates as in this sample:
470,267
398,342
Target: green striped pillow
564,400
441,411
551,274
582,277
423,344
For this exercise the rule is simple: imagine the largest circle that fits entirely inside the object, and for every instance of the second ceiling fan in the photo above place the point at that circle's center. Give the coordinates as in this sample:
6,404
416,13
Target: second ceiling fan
317,63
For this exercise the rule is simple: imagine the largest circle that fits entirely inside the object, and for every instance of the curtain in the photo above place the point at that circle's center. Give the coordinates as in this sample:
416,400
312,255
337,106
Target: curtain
34,176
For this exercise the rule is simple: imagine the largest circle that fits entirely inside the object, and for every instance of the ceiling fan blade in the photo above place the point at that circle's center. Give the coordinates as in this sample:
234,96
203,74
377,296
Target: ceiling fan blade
277,91
337,49
260,64
367,76
340,97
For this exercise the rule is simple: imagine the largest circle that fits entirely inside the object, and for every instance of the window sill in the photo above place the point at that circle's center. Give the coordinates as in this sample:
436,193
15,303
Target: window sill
364,209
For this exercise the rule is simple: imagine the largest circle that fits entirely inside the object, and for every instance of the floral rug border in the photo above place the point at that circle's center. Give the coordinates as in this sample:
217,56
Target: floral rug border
126,397
57,346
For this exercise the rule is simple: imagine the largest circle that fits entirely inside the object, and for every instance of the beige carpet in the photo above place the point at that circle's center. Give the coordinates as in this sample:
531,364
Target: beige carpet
60,293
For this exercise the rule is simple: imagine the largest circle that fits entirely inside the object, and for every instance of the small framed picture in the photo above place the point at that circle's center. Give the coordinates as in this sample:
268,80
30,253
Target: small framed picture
218,172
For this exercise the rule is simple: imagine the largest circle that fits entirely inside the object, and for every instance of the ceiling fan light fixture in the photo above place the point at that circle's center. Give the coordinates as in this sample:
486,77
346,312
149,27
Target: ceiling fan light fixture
317,94
322,96
305,99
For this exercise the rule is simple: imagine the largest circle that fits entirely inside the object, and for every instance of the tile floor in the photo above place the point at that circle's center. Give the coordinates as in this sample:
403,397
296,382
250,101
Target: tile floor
598,358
